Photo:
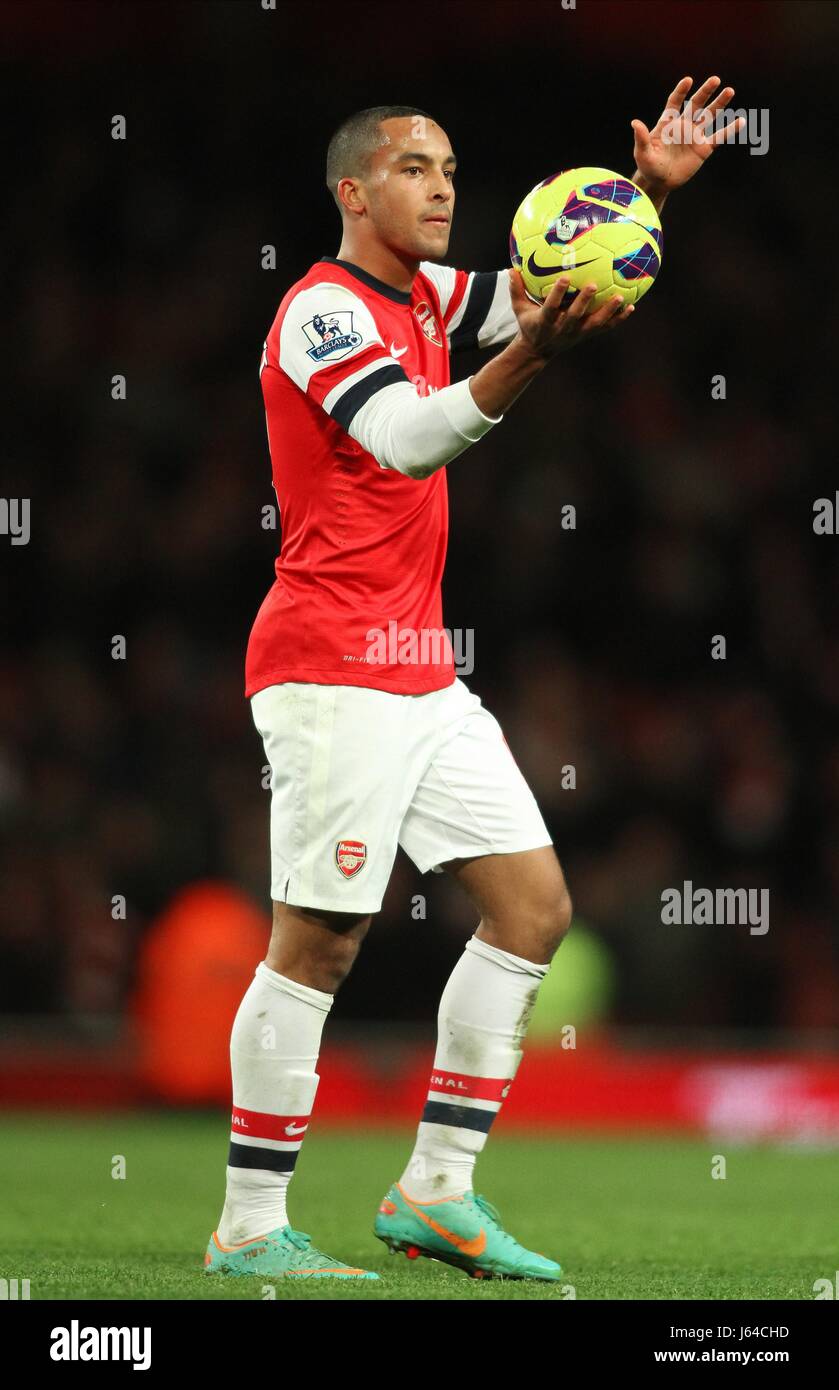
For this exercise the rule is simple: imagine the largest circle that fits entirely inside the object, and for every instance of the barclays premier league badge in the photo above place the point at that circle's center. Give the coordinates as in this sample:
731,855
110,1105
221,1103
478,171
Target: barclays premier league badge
331,335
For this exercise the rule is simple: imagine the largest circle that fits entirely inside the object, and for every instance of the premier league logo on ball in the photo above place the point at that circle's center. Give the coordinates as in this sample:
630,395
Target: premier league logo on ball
565,227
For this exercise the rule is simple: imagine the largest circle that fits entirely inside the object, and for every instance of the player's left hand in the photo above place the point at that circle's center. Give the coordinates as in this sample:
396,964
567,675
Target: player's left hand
681,140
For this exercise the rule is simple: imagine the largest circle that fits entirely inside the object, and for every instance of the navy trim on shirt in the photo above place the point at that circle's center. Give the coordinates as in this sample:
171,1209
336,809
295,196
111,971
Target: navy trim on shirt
347,406
398,296
477,308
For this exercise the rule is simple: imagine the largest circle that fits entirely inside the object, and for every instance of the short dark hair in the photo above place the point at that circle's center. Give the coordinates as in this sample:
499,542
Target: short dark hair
356,140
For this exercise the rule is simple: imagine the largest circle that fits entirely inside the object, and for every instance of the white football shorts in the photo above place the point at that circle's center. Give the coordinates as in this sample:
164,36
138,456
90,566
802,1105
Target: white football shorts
356,772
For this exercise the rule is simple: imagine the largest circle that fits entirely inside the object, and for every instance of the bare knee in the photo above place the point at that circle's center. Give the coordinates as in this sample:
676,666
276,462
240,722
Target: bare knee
315,948
547,917
564,910
535,923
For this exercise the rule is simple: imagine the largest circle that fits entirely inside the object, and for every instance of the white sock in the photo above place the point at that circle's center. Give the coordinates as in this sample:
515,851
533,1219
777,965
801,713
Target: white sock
274,1048
483,1017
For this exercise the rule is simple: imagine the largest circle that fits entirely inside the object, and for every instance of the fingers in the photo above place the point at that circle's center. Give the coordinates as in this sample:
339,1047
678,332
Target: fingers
703,111
578,307
562,329
642,135
676,97
720,136
519,298
579,317
551,306
700,97
622,315
720,100
612,312
699,107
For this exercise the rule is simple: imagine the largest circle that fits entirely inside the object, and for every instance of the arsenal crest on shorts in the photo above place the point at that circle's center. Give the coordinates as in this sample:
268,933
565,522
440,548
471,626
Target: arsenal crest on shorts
350,856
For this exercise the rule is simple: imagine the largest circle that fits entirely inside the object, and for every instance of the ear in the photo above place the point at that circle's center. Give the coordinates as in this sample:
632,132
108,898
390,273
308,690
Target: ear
350,196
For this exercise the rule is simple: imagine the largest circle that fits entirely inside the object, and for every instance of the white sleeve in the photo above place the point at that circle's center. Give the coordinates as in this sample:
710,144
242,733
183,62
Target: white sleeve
330,346
477,306
415,434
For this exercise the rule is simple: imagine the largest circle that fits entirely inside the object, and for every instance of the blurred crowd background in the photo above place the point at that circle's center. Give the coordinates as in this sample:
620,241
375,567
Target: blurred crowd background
592,647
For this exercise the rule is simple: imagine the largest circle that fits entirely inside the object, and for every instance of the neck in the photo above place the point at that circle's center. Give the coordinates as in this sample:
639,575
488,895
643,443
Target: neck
394,268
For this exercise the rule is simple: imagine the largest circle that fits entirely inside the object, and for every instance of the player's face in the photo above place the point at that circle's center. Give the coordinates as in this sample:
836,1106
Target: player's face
411,187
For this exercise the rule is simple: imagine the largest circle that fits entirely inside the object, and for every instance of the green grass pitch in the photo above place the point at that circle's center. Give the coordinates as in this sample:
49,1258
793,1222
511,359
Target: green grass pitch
627,1218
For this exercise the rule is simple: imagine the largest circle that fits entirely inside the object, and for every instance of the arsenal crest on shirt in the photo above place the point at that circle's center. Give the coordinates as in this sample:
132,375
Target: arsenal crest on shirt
350,856
428,322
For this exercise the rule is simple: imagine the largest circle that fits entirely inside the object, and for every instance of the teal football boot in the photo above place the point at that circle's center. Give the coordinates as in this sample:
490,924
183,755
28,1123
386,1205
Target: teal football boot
463,1231
281,1254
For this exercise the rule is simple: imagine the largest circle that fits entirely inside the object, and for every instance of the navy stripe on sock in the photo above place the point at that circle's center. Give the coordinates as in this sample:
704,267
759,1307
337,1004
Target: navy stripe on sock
248,1156
462,1116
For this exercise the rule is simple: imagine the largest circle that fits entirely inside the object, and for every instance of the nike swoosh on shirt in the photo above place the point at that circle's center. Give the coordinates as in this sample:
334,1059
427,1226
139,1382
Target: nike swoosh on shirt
295,1129
397,352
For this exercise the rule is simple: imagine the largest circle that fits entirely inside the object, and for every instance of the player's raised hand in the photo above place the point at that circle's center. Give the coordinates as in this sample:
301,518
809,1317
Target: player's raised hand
682,138
549,329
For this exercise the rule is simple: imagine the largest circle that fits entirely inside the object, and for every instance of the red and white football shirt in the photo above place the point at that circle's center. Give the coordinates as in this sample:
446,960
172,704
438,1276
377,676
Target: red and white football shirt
363,546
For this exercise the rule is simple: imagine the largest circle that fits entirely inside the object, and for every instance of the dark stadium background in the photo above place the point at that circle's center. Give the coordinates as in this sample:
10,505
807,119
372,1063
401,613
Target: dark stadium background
142,777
